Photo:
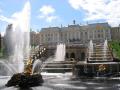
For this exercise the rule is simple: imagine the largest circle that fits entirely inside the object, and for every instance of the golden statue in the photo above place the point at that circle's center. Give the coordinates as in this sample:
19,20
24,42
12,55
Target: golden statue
101,68
28,67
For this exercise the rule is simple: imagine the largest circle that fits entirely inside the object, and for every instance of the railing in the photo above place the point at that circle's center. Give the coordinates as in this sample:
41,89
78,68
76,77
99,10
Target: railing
98,54
87,54
37,53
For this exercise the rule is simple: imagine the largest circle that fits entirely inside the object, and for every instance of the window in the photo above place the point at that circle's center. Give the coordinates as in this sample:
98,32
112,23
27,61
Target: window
85,33
82,56
72,55
98,35
67,55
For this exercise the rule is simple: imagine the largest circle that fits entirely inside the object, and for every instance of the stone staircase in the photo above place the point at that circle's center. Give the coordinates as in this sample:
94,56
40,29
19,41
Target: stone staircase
100,54
51,65
58,66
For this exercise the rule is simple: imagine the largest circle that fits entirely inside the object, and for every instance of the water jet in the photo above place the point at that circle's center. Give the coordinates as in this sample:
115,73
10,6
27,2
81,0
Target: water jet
20,32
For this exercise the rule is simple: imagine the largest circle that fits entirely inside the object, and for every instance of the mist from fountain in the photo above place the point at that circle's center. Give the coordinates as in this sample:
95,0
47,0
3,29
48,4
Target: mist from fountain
19,39
60,52
90,48
6,67
105,48
36,66
44,64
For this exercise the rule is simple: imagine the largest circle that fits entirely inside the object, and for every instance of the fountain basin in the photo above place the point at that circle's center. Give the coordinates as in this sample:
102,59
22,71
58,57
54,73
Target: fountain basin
25,80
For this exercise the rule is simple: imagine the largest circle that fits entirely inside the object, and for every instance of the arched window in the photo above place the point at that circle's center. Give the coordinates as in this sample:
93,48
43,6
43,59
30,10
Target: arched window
67,55
72,55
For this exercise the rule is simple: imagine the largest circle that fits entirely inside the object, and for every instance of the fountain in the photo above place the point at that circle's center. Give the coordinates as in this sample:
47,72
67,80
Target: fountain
7,67
56,63
36,66
57,59
90,48
17,38
105,48
23,76
60,52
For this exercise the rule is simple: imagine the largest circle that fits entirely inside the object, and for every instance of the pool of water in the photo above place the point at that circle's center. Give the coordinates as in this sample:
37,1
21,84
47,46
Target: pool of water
64,82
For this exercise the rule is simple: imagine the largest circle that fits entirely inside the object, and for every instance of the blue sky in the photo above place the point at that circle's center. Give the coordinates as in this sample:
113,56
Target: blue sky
45,13
64,12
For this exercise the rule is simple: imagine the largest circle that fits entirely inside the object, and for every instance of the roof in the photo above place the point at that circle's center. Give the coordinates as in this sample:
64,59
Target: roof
100,24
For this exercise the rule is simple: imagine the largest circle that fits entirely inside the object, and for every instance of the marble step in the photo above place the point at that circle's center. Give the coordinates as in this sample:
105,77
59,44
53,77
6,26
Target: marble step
57,68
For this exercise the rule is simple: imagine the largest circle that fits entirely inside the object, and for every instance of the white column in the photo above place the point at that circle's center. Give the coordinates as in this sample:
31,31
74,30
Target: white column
79,36
93,33
88,35
104,33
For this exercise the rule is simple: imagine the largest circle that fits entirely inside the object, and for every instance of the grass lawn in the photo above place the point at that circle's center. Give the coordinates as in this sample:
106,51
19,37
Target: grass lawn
1,53
115,45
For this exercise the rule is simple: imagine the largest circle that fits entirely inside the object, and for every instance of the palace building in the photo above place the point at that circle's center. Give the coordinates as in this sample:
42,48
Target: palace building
75,33
75,37
115,33
0,41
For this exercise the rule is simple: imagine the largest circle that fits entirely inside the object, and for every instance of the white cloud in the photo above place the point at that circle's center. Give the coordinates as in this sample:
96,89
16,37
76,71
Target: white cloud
5,19
50,18
0,10
108,10
47,13
47,10
21,17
